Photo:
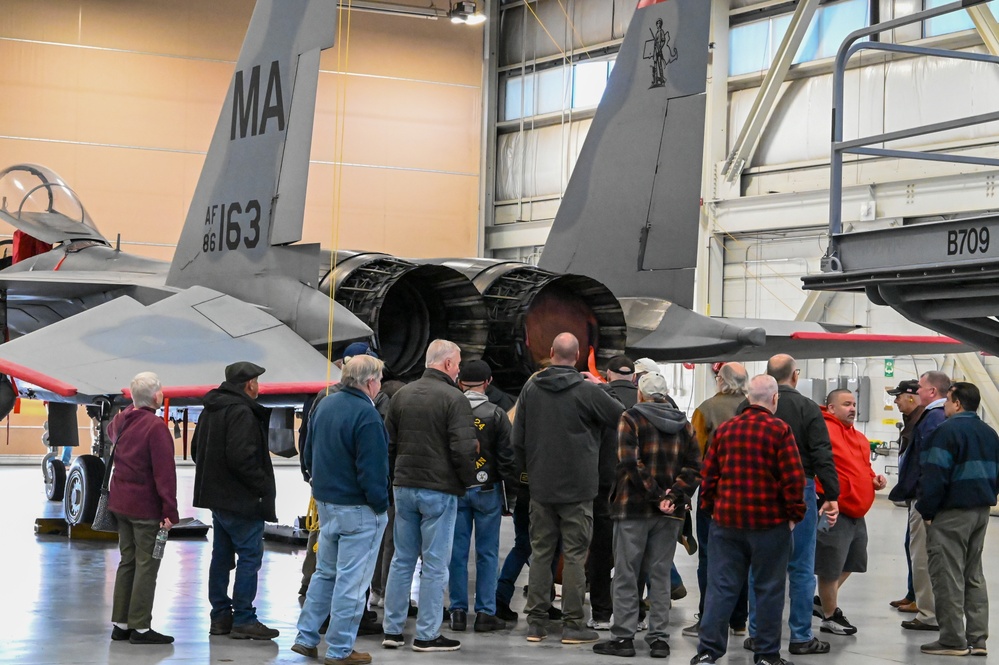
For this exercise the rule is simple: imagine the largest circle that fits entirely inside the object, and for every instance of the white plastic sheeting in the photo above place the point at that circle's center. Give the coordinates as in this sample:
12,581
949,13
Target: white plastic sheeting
537,162
879,98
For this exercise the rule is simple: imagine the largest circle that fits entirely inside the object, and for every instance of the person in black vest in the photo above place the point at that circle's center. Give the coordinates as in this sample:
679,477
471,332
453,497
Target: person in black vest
482,506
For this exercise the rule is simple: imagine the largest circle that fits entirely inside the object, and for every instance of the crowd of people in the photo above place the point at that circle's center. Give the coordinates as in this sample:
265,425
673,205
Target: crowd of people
603,476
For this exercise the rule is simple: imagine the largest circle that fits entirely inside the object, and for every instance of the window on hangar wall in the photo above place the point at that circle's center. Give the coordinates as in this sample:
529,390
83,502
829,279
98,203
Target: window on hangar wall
552,91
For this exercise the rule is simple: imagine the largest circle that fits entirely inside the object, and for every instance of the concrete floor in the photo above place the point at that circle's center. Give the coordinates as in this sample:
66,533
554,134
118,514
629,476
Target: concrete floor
55,601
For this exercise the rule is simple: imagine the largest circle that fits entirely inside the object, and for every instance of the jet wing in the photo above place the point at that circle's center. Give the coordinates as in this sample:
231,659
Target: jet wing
68,284
667,332
187,339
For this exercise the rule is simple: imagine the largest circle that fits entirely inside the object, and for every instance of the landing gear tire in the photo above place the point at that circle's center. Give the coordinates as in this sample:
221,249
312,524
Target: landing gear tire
55,477
83,489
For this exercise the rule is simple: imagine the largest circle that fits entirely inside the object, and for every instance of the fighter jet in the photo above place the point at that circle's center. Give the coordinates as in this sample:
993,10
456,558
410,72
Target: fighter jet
617,270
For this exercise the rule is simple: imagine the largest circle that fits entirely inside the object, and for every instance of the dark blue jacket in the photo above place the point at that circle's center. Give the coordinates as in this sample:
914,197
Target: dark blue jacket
910,463
960,466
346,452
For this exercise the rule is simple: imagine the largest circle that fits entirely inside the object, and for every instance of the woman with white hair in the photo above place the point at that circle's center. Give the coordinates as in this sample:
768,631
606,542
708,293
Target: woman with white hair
143,496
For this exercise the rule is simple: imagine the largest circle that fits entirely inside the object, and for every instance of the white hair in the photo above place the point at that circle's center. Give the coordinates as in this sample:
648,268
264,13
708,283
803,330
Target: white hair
440,350
144,387
358,370
762,389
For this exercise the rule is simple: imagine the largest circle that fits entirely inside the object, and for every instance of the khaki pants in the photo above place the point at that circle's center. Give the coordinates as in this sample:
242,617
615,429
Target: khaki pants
135,583
574,523
920,567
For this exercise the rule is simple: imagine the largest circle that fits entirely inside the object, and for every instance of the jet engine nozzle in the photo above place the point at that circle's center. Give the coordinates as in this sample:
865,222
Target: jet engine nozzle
408,305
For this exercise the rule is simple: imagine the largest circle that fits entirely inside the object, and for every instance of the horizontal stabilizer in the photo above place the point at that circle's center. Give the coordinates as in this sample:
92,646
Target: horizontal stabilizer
666,332
187,339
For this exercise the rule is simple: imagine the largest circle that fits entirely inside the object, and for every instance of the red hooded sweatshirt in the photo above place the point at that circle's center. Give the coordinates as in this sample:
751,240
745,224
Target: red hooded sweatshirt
852,457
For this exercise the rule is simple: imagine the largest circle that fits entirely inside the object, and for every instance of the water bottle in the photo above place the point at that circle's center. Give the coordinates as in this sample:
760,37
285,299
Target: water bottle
161,538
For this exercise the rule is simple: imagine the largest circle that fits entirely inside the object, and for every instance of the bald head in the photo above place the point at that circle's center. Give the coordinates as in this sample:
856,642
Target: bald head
763,392
782,368
565,349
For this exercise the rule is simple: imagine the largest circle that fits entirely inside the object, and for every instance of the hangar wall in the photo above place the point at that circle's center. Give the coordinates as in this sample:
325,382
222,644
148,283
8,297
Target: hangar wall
766,229
121,98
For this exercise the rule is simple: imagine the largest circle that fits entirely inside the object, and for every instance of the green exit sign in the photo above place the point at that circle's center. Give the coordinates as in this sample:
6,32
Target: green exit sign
889,367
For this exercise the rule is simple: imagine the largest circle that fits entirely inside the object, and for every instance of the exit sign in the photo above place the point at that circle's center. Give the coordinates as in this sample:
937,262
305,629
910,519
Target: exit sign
889,367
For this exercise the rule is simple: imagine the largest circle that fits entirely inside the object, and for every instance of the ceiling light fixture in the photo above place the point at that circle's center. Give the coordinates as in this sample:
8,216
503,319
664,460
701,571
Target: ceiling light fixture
464,11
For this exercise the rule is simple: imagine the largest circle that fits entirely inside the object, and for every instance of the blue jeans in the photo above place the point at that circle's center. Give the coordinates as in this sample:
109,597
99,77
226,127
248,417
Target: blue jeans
520,553
482,508
741,612
424,526
349,539
733,554
238,542
800,574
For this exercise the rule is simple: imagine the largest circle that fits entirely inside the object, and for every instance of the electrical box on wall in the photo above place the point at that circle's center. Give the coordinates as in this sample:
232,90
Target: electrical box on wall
814,389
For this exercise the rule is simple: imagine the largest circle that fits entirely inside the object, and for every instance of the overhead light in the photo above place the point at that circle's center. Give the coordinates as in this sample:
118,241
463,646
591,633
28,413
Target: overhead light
465,12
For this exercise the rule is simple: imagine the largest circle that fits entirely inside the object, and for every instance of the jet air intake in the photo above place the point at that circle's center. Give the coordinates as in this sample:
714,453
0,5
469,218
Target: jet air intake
407,306
528,307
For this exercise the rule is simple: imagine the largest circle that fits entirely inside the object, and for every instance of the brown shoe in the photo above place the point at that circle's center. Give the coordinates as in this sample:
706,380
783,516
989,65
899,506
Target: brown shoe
355,658
900,602
916,624
909,608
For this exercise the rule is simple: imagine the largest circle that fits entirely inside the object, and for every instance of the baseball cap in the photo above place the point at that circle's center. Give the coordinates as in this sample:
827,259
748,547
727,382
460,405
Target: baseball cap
359,349
646,365
242,372
910,387
621,365
475,371
653,384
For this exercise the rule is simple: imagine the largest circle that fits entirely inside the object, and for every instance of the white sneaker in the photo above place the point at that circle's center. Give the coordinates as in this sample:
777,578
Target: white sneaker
599,625
376,601
643,624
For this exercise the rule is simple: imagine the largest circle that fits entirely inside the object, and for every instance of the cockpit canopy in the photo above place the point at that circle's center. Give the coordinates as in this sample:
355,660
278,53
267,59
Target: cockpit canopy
37,201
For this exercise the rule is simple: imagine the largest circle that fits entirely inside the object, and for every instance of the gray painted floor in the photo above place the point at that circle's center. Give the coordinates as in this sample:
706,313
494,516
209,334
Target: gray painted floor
56,597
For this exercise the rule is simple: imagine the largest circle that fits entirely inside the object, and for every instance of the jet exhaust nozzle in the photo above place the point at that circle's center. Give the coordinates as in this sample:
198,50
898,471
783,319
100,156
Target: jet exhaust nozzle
408,305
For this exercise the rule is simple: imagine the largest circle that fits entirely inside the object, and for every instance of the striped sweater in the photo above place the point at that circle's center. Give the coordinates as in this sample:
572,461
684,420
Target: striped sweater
960,466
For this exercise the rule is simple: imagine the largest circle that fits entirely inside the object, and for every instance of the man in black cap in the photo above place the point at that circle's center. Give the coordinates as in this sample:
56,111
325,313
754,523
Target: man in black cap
481,508
906,395
235,480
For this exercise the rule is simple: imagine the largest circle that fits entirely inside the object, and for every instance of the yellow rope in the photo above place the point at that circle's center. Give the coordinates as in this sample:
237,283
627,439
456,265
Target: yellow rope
312,516
342,60
554,41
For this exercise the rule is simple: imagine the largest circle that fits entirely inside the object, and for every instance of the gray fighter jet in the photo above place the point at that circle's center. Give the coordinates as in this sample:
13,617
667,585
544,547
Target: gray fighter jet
617,269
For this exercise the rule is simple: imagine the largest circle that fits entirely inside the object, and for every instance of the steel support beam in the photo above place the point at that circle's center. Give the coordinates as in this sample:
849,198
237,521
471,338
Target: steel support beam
815,305
766,98
987,27
974,370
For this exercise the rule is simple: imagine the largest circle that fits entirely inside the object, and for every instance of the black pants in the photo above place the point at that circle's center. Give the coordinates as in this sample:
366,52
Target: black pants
600,560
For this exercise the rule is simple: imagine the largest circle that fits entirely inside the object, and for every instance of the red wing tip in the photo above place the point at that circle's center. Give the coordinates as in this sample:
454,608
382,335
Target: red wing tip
190,392
861,337
36,378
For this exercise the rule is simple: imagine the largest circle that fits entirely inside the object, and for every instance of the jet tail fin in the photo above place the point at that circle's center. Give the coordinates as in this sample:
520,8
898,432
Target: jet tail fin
251,194
630,214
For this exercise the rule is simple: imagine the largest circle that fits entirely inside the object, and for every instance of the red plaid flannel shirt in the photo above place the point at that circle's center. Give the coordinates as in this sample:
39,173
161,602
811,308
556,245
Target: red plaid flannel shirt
752,473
